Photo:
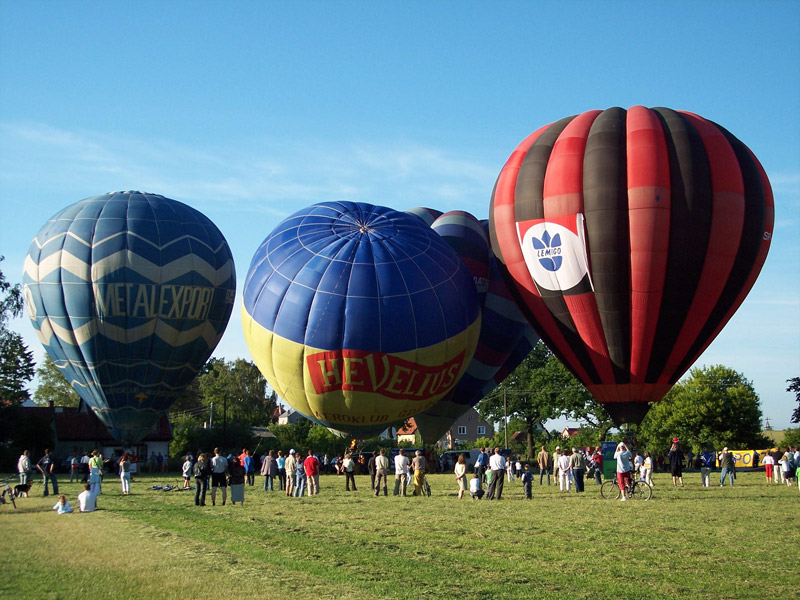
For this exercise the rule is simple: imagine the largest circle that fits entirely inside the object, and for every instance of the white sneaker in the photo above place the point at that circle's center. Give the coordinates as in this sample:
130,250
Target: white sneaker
623,499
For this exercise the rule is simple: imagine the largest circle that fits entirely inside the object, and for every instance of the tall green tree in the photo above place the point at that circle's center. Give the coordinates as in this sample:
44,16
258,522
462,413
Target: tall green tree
794,386
16,360
53,386
715,406
540,388
239,392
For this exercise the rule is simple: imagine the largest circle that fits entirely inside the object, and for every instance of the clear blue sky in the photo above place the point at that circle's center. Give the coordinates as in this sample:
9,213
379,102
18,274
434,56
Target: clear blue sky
249,111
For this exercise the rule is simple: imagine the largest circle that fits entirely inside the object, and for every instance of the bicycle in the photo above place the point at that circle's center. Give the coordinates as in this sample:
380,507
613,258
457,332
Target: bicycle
8,490
635,489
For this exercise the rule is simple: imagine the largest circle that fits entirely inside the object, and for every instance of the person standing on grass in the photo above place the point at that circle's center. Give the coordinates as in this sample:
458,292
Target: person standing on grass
125,474
578,468
311,467
280,462
556,464
219,477
96,472
24,468
776,457
675,457
497,466
381,472
769,465
186,471
371,471
564,479
46,467
460,471
527,480
545,462
787,467
482,465
624,467
236,481
647,468
349,472
706,465
597,462
400,472
726,461
249,464
87,501
420,465
291,469
85,467
300,477
74,467
269,469
201,473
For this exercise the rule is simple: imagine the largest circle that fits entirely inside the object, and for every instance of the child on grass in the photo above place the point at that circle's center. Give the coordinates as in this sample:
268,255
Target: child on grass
62,506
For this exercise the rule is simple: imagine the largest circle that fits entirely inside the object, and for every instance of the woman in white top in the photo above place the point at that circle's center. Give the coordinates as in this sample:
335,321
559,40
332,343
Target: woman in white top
461,475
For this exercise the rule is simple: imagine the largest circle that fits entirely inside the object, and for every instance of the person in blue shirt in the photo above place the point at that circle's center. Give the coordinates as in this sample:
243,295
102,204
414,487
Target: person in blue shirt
483,463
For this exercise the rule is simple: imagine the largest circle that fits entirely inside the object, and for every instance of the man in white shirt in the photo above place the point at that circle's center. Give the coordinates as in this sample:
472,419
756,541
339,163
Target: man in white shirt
87,500
564,472
497,466
219,470
400,472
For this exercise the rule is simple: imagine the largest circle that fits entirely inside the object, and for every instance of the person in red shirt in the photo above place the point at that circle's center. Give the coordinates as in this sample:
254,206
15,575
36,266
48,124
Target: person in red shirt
311,468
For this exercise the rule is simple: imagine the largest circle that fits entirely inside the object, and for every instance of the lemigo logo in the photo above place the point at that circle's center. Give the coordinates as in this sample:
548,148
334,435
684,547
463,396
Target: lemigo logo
554,254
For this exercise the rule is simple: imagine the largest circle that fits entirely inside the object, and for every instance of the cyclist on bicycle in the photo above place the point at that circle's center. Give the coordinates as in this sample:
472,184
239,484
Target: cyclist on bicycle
624,468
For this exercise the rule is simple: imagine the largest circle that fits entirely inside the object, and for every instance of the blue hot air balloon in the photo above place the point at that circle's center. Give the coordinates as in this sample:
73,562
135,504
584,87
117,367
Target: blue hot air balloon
504,336
359,316
129,293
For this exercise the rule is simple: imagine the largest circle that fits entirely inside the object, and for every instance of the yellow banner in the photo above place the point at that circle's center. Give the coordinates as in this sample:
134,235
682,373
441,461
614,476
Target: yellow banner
746,459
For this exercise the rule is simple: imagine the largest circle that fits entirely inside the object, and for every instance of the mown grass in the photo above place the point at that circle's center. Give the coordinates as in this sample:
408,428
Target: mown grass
693,542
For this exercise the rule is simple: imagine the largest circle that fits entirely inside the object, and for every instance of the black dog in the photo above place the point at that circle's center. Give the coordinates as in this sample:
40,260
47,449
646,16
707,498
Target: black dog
21,491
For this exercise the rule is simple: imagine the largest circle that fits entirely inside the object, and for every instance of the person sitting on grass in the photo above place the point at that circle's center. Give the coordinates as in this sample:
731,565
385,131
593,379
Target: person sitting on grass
475,490
62,506
87,499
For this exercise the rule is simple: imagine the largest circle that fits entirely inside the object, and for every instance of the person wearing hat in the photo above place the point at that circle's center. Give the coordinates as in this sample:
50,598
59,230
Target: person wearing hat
675,457
420,466
291,469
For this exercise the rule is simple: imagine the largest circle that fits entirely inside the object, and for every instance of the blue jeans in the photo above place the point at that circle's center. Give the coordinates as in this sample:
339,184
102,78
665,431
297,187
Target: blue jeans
542,473
200,489
300,488
578,476
268,481
725,471
50,478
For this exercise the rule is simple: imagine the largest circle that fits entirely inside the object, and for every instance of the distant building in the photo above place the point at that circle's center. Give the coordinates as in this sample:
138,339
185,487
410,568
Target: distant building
289,417
569,432
467,429
78,427
408,432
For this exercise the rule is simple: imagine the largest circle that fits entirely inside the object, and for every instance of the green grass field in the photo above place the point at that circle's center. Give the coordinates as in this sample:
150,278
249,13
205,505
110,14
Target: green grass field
738,542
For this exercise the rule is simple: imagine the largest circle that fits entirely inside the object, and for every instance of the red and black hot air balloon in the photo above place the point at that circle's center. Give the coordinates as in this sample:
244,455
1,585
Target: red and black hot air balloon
632,238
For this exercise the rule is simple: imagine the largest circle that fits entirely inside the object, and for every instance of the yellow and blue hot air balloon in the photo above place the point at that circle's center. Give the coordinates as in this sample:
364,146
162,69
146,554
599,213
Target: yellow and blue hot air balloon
359,316
129,293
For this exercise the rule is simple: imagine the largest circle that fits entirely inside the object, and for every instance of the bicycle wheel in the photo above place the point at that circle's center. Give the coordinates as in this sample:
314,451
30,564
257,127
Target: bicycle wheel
609,490
641,491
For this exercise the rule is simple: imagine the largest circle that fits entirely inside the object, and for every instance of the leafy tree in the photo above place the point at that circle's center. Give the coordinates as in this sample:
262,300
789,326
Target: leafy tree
16,361
540,388
792,437
715,406
238,391
794,386
53,386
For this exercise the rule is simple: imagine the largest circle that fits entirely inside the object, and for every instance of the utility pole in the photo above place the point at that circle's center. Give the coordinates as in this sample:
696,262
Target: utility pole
505,416
211,417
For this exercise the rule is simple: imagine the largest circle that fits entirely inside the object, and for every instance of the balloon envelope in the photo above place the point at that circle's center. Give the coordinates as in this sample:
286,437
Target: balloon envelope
632,237
129,293
359,316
